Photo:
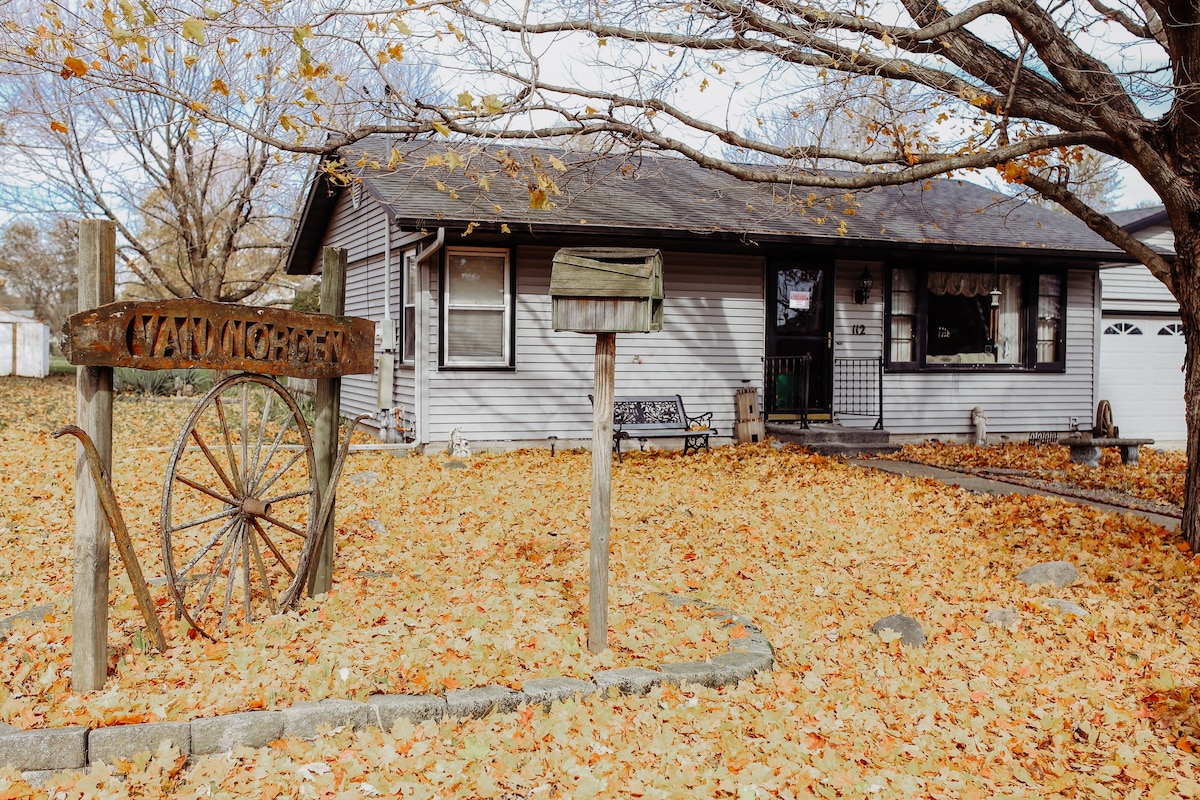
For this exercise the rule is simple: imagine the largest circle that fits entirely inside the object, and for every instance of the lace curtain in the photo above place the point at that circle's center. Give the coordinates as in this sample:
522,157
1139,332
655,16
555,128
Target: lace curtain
1009,333
965,284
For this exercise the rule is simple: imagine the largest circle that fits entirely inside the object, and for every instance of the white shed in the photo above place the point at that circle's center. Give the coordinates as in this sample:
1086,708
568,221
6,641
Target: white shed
24,345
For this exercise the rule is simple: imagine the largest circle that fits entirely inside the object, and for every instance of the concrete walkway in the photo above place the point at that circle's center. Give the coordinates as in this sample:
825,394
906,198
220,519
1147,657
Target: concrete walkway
979,485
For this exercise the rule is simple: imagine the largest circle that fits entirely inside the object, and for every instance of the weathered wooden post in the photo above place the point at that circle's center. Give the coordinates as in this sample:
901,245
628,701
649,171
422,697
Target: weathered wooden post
327,409
604,291
89,598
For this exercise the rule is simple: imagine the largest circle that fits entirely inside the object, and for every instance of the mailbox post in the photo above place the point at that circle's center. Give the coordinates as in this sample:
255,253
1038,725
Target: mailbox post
604,291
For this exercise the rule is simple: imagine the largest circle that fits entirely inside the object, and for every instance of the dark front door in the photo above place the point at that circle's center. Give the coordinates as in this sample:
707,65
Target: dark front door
799,323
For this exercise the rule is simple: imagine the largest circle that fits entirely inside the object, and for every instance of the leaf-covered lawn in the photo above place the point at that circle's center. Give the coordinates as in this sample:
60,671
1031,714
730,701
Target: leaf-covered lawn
488,583
1158,476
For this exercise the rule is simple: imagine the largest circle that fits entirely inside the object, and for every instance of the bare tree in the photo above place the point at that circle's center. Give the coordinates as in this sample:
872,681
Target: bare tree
201,209
38,266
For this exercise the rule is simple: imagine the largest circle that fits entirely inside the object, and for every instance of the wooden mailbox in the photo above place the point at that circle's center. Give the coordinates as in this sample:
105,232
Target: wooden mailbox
607,290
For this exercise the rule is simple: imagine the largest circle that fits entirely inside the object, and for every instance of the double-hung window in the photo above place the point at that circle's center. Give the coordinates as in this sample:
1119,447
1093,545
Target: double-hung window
409,292
477,308
942,319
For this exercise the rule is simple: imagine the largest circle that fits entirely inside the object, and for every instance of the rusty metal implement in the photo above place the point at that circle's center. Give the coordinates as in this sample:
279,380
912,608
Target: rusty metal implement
120,533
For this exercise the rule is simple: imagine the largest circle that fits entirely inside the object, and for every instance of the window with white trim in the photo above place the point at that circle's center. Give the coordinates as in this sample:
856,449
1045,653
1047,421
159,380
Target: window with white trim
477,308
408,300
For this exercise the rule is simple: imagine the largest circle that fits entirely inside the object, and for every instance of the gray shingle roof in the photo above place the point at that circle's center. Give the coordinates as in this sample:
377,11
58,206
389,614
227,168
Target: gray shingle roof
660,195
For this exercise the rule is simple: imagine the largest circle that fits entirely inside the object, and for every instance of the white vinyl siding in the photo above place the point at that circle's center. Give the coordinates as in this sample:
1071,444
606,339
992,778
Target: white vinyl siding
712,340
1015,402
857,329
362,231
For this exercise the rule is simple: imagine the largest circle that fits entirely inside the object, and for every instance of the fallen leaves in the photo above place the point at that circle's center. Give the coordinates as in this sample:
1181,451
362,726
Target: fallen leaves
1157,476
480,575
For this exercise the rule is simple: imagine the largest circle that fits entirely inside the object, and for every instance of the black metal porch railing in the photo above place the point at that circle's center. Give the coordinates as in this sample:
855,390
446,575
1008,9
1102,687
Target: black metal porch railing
785,385
858,388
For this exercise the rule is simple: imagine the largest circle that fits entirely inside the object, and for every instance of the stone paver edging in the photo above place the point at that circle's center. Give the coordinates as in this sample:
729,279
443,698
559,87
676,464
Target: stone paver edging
44,751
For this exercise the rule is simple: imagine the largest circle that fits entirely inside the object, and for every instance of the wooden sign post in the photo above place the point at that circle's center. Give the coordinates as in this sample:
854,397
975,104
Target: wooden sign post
604,291
327,410
94,384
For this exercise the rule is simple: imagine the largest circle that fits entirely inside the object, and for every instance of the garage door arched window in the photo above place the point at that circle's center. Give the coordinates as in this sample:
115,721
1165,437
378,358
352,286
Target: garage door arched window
1171,329
1122,329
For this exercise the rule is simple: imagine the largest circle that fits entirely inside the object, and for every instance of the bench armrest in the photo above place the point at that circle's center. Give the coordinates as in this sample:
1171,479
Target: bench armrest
704,420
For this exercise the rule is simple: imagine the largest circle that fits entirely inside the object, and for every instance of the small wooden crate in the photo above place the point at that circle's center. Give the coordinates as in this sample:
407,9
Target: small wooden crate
747,405
607,290
750,430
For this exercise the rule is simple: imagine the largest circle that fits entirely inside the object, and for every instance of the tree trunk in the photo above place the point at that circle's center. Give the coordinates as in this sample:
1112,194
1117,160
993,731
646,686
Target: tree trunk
1186,275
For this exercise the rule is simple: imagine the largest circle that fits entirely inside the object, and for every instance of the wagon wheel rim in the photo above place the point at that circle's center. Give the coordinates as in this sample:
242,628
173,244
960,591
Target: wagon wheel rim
239,506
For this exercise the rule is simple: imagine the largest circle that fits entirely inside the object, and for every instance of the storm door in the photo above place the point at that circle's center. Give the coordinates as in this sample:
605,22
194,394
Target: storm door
799,342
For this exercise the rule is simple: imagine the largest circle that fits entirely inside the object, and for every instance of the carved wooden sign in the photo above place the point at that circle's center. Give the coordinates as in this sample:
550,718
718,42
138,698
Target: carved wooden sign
172,334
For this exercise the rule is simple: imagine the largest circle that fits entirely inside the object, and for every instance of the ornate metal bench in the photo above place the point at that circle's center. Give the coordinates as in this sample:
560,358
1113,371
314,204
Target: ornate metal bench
1086,449
644,418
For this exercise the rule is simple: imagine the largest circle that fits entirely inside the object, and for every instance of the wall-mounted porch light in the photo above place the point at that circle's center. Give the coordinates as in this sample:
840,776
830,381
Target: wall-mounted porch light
863,293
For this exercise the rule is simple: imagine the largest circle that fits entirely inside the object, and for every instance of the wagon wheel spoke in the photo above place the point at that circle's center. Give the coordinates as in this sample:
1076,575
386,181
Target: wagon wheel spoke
232,580
199,487
222,558
254,472
212,460
234,470
279,472
207,547
229,512
266,462
208,587
278,555
262,569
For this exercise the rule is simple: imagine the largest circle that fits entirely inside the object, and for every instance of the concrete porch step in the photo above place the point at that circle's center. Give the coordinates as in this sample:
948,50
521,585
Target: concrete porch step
830,439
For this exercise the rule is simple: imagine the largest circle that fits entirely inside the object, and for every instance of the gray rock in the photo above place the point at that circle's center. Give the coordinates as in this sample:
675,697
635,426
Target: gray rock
247,729
36,614
549,690
365,478
1058,574
1065,606
51,748
414,707
743,665
377,527
455,465
1002,617
911,632
482,700
126,741
627,680
704,673
305,720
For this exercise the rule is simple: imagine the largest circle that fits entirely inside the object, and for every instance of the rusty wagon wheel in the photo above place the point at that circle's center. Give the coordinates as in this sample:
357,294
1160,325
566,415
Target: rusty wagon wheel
239,506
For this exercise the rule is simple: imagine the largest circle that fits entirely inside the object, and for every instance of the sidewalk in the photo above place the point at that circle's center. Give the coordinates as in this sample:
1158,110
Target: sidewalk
986,486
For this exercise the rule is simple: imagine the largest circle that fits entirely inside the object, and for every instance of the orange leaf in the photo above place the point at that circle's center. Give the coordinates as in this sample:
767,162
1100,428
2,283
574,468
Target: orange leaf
57,126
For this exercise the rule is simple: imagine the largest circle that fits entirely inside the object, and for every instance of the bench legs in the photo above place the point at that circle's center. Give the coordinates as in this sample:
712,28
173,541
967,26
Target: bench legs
1088,454
694,443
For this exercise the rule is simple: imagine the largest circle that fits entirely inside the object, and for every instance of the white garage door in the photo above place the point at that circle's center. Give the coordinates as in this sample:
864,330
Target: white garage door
1141,361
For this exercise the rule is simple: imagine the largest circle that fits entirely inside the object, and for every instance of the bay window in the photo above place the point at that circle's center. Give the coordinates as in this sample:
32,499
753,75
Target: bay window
958,320
477,308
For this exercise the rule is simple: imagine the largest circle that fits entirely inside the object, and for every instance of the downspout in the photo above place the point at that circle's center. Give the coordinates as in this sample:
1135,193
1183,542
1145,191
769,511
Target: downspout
422,369
385,372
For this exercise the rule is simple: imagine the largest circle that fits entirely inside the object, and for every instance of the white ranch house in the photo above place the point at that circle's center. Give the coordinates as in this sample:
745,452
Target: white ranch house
974,299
